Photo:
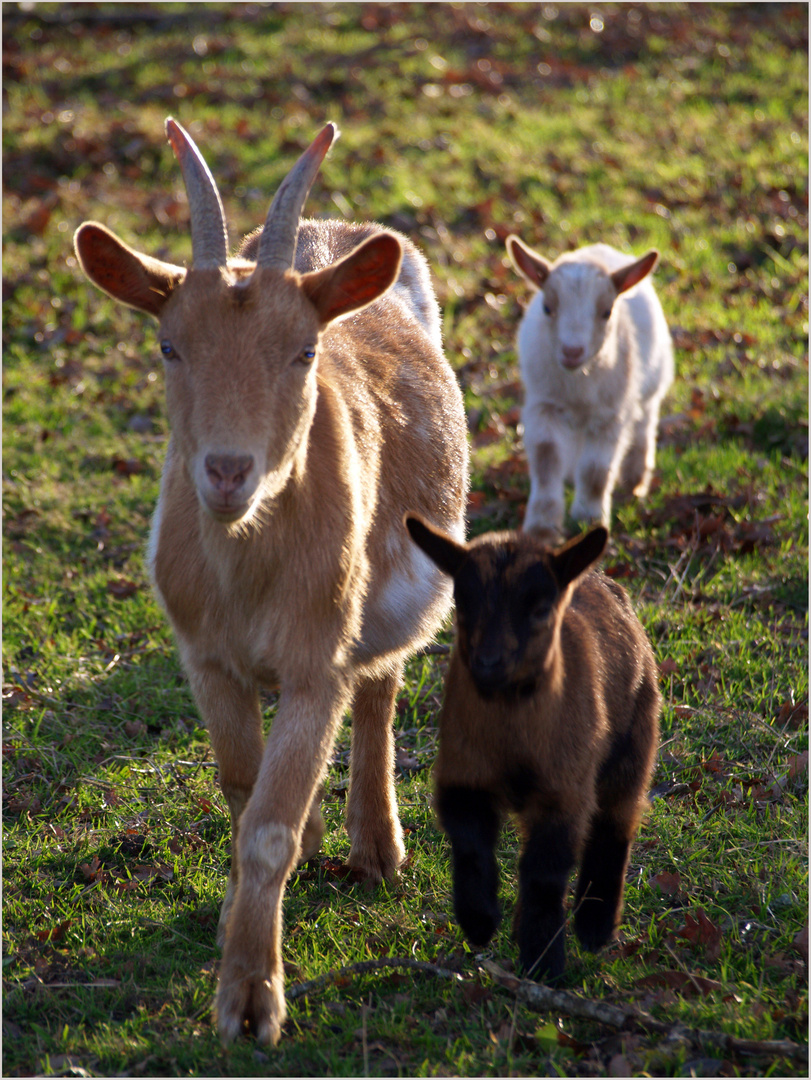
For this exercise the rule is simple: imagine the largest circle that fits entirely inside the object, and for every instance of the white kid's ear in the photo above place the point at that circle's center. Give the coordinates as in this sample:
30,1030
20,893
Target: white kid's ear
533,267
628,276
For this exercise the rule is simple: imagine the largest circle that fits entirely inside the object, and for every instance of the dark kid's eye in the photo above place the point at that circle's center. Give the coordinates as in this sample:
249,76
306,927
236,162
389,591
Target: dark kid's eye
167,350
541,609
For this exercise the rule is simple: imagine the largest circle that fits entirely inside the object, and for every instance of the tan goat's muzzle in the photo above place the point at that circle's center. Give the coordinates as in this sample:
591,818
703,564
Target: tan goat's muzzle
228,485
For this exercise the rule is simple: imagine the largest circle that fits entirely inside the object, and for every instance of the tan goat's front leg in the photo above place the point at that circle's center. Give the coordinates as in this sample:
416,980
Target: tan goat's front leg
233,716
371,814
251,986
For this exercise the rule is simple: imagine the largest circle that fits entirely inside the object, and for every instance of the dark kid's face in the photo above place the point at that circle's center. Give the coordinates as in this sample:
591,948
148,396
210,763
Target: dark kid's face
505,604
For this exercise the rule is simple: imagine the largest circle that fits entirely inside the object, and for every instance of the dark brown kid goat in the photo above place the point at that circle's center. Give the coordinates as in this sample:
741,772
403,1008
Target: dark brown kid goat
551,711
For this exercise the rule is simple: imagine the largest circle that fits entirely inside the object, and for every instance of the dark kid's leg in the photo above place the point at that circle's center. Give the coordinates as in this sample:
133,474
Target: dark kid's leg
471,820
543,875
600,886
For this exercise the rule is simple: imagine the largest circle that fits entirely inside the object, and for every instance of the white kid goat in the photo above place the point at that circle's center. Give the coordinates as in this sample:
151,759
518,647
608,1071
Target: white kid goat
310,405
596,360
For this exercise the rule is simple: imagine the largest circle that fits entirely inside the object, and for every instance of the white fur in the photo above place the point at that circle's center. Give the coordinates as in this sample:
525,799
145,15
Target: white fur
593,386
271,846
398,613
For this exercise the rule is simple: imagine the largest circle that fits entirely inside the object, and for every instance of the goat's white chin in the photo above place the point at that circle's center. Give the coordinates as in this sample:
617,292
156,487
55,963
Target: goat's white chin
573,365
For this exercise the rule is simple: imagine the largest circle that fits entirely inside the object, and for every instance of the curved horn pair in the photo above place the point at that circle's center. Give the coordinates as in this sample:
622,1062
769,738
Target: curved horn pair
277,245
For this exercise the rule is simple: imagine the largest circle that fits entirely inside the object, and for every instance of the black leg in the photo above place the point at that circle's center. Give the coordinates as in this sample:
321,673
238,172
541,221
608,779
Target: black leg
471,820
621,783
600,886
543,874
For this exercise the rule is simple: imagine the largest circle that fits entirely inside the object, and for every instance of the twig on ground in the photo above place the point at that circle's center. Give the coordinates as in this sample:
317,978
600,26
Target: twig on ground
543,998
362,967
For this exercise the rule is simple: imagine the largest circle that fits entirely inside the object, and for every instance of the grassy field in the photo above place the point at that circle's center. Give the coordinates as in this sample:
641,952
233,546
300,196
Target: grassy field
679,126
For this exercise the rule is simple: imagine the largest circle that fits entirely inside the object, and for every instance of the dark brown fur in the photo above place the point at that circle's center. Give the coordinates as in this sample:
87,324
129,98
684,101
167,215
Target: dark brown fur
551,712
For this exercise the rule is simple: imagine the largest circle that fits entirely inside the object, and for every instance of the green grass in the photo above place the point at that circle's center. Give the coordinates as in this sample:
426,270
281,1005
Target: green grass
679,126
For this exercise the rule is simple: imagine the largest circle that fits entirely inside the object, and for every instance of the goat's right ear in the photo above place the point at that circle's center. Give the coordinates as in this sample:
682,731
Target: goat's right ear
568,562
438,546
530,265
137,280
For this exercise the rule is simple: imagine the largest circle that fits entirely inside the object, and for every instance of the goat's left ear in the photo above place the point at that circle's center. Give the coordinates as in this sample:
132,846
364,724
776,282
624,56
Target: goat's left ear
438,546
568,562
356,280
628,276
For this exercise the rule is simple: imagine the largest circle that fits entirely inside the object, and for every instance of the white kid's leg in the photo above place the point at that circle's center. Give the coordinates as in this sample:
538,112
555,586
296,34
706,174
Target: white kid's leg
637,468
596,477
548,449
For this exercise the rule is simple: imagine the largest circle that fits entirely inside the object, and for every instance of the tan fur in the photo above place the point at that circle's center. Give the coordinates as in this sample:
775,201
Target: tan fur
308,582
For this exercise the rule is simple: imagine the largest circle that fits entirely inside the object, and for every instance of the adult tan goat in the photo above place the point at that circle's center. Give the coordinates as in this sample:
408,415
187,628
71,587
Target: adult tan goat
298,440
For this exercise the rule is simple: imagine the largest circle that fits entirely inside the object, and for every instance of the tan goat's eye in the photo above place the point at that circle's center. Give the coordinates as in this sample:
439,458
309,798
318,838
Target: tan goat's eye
307,355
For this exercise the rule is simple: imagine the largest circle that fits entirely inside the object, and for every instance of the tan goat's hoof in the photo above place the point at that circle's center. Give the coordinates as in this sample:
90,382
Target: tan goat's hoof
250,1006
376,862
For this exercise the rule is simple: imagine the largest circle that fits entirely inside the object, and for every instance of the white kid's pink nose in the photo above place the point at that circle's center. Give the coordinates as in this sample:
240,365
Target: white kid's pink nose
572,355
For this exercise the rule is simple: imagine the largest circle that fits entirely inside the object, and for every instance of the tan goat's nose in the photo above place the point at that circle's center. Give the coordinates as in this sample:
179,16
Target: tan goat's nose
227,472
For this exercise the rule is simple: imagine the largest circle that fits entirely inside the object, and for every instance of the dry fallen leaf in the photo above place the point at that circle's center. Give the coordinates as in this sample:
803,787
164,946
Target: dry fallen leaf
667,882
700,930
122,588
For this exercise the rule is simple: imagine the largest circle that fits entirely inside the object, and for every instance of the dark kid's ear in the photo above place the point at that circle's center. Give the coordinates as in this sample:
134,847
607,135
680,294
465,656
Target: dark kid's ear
136,280
442,549
568,562
530,265
356,280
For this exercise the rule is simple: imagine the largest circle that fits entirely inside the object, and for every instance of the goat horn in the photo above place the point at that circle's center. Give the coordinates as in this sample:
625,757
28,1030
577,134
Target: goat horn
209,234
277,246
